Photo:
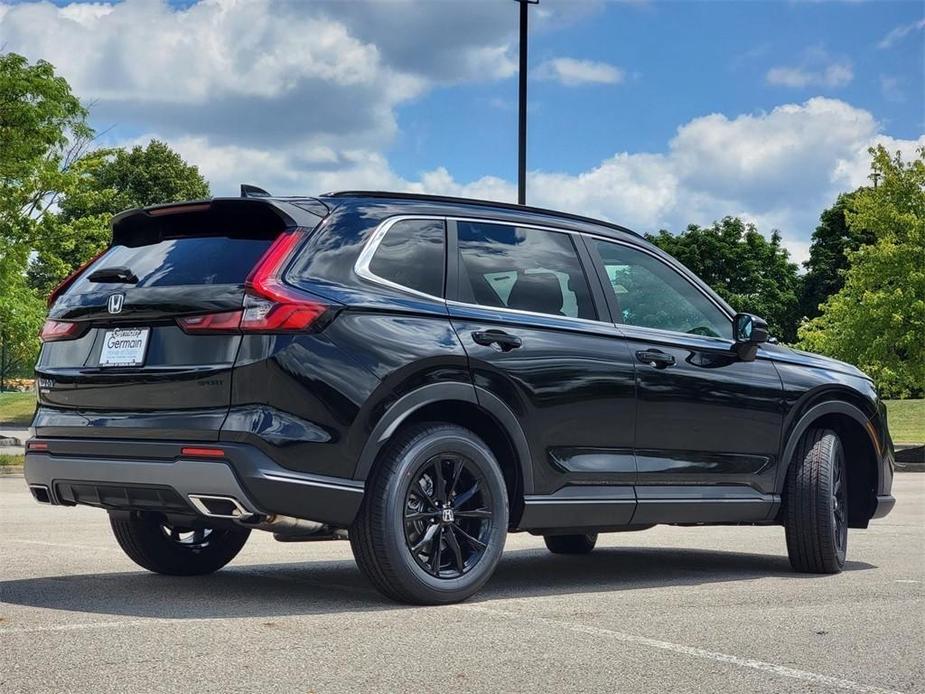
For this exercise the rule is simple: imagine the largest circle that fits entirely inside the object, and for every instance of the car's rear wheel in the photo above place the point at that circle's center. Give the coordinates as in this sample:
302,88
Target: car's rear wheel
156,545
571,544
434,517
816,504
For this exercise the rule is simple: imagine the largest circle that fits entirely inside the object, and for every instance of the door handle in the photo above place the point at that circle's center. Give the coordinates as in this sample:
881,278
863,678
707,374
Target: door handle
504,340
656,358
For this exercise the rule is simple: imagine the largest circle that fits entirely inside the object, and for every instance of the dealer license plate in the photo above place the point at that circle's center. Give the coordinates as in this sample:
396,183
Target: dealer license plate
124,347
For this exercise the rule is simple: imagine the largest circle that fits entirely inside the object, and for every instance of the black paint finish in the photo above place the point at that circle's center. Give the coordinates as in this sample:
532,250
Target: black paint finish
596,436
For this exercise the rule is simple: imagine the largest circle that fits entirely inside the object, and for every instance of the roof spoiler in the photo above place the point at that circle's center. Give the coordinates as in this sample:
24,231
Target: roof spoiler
218,216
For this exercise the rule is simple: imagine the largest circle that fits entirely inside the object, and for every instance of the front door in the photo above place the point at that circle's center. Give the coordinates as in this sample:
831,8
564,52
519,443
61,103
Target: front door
708,425
529,320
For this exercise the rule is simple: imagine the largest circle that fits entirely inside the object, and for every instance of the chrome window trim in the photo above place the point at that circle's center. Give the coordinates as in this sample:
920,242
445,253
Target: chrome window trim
361,267
372,244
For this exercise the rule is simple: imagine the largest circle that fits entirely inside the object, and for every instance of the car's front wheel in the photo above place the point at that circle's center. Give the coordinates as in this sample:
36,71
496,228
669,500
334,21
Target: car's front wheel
434,518
156,545
816,504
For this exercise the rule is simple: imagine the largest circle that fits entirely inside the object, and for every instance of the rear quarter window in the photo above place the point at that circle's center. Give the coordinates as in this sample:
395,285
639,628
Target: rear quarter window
412,255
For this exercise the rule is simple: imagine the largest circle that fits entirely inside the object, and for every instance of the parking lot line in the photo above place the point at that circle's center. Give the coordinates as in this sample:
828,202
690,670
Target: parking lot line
691,651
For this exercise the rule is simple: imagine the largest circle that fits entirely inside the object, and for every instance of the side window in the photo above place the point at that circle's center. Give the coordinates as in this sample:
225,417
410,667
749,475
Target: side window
524,269
651,294
412,254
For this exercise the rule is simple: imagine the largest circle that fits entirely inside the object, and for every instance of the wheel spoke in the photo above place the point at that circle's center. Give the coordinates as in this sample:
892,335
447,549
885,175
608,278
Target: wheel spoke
436,550
457,551
439,481
454,480
478,544
466,496
420,515
428,536
474,513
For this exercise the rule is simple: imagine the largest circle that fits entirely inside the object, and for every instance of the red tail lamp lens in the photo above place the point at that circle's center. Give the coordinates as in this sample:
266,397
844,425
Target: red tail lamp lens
193,451
54,330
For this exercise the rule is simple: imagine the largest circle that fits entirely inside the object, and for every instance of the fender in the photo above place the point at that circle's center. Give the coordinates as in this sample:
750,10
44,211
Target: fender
444,392
806,421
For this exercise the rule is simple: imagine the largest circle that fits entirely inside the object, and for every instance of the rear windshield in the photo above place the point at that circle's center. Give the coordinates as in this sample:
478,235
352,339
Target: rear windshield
173,262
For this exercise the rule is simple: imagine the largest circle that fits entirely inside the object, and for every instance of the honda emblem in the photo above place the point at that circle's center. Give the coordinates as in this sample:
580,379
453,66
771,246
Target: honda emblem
115,303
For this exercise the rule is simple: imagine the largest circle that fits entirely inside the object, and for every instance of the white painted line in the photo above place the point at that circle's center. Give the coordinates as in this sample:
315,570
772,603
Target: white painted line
905,580
779,670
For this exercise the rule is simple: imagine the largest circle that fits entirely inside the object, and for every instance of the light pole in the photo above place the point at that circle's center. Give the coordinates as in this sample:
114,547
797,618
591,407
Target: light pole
522,106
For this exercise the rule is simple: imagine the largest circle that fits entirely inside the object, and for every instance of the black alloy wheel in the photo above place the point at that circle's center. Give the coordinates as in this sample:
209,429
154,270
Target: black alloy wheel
448,517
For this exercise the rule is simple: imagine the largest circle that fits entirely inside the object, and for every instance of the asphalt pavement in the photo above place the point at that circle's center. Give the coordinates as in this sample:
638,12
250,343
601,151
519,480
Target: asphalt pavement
665,610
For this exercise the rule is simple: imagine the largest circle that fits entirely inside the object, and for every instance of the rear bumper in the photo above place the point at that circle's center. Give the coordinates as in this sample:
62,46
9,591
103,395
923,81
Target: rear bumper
156,476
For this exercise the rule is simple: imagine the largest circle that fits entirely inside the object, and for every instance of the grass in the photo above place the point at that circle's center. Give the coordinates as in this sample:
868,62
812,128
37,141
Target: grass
17,408
907,420
11,460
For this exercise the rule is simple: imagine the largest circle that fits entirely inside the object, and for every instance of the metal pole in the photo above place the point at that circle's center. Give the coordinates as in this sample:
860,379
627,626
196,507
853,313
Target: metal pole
522,113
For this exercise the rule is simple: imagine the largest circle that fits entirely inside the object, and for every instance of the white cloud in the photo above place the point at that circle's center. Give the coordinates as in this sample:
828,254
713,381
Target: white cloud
779,169
899,33
573,73
816,68
831,76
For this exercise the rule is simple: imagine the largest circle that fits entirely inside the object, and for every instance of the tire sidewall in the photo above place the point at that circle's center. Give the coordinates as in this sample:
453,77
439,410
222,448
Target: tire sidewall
411,459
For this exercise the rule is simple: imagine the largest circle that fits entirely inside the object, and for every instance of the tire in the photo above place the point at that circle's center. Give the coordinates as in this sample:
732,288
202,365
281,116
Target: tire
153,545
571,544
404,540
816,504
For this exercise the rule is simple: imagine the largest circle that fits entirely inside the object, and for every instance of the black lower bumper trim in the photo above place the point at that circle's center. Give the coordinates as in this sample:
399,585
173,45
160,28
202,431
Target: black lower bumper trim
127,474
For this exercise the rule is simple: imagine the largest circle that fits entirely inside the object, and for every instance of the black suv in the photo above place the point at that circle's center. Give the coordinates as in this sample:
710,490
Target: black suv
424,375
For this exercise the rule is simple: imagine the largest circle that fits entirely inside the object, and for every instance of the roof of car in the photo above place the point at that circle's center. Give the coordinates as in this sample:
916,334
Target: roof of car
477,203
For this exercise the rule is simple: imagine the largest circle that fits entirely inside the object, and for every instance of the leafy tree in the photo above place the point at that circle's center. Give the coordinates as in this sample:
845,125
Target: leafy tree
832,241
108,181
753,273
43,131
877,320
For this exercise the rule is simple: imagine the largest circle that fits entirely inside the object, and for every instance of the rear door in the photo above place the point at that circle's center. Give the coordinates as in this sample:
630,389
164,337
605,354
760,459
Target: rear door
135,343
530,321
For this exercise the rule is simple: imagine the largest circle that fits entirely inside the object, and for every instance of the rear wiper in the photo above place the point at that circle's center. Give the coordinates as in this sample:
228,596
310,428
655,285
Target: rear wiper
113,274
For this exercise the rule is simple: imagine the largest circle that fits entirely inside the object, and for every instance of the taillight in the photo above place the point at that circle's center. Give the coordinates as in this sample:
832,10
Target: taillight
269,304
69,280
225,322
54,330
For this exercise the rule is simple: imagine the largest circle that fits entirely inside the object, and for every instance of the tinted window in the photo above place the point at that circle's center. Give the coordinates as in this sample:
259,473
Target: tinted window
651,294
190,260
524,269
411,254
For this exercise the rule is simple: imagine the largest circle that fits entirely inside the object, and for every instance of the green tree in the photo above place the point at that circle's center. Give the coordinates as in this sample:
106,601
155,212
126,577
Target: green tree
43,131
751,272
832,241
106,182
877,320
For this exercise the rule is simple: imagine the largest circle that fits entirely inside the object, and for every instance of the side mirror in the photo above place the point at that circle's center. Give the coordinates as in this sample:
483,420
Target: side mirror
748,331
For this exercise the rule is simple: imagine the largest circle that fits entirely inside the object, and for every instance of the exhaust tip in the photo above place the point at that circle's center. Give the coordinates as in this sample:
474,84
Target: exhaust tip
40,493
219,506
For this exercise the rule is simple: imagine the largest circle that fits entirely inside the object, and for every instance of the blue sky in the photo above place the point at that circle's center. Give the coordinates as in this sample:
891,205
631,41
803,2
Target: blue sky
682,60
653,114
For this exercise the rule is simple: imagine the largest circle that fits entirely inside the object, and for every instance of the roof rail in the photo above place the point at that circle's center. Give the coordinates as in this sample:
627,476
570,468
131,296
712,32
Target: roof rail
476,201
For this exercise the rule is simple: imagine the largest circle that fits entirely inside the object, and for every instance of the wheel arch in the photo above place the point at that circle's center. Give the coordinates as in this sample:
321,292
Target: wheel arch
860,446
468,406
